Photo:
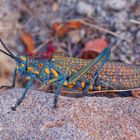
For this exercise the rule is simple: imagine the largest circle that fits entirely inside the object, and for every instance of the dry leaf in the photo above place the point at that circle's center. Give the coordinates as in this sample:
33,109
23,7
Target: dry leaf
74,24
93,48
28,41
61,29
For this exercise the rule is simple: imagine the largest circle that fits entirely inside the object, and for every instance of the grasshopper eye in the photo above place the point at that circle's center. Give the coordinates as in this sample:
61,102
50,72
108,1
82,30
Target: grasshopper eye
22,66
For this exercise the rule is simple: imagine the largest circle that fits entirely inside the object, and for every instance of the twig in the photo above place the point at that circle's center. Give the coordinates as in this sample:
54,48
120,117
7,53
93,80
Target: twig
83,21
134,21
69,47
40,46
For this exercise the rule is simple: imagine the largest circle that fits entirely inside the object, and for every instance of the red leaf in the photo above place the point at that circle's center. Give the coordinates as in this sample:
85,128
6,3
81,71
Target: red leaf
93,48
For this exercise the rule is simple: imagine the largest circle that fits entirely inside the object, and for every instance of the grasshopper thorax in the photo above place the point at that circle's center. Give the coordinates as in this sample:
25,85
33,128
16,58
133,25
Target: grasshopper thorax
33,67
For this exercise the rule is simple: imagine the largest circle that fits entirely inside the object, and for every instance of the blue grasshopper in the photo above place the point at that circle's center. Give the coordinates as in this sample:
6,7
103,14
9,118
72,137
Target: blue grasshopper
99,75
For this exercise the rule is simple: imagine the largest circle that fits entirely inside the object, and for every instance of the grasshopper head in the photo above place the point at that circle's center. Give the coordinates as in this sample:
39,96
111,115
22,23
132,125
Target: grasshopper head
22,65
21,61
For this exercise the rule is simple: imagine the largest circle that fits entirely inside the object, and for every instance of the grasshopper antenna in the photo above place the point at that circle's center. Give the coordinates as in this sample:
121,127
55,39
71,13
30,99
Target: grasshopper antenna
9,52
6,53
6,47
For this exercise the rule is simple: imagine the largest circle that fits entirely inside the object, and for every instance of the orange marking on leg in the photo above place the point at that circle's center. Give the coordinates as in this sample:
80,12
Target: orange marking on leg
91,87
70,86
79,88
82,84
65,83
99,88
74,83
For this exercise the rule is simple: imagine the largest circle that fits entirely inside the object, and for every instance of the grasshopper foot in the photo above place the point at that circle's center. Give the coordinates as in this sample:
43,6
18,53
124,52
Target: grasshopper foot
55,102
16,105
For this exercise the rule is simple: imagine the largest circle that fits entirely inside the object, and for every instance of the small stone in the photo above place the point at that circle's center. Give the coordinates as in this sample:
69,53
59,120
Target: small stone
138,35
76,36
55,7
116,4
120,20
85,9
133,30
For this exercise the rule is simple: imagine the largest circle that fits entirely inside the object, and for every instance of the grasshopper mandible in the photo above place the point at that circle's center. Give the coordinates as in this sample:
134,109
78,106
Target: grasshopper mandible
97,75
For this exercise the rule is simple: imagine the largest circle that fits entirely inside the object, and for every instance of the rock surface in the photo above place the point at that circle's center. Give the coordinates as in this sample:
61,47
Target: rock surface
116,4
85,9
87,118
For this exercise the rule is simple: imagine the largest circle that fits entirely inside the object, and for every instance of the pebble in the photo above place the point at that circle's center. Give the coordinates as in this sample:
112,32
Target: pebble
138,35
84,8
55,7
133,30
116,4
127,59
76,36
137,48
120,20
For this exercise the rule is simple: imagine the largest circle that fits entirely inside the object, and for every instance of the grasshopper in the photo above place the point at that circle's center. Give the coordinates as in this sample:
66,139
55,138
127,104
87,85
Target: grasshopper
99,75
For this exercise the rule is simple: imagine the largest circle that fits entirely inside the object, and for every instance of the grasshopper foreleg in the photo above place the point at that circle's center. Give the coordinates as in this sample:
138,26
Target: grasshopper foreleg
13,81
19,101
58,90
61,79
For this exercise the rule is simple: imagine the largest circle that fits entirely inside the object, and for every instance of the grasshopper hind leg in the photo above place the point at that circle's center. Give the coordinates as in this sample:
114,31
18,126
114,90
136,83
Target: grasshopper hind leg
125,93
105,56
